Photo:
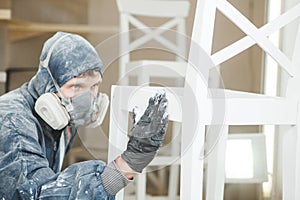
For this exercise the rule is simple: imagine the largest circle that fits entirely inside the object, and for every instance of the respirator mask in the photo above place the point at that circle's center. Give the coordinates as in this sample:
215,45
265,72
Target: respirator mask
81,110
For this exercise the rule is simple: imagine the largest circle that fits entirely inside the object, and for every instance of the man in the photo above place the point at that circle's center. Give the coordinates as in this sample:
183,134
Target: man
38,122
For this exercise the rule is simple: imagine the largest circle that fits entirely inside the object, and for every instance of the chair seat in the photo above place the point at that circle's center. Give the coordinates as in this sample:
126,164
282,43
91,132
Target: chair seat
158,68
260,109
235,104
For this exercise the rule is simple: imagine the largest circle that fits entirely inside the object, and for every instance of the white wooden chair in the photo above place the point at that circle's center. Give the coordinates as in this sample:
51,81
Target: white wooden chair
131,12
203,107
138,35
236,107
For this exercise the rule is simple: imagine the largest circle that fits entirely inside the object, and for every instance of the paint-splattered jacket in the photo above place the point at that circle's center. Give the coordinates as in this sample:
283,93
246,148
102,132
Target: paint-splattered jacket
29,149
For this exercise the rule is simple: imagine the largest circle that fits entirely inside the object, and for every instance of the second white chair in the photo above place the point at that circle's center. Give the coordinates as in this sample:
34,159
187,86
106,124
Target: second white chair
167,36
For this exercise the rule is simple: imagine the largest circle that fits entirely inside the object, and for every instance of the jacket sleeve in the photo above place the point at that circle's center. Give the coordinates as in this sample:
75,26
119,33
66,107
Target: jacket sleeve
25,172
78,181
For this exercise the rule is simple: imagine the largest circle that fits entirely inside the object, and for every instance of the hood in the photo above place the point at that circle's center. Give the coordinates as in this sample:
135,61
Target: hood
71,56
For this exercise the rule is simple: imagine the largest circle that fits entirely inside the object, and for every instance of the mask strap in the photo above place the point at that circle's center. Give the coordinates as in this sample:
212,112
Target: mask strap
45,63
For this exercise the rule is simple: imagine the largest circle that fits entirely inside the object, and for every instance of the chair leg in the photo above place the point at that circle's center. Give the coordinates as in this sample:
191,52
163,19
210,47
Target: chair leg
174,169
291,163
297,158
141,186
191,176
217,139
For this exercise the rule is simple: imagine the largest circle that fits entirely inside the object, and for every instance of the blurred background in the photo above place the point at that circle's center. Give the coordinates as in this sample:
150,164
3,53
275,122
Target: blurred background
26,24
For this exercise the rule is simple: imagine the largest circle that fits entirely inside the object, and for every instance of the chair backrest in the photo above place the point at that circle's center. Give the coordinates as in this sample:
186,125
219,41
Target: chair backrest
130,10
205,20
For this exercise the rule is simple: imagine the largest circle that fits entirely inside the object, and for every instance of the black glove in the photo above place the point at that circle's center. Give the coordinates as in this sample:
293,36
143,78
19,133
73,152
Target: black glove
147,134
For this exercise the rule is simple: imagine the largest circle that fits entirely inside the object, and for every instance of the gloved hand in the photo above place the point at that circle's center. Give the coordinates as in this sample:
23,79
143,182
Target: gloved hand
147,134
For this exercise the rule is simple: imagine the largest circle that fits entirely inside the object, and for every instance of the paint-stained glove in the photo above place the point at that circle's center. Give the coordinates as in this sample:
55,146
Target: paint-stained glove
147,134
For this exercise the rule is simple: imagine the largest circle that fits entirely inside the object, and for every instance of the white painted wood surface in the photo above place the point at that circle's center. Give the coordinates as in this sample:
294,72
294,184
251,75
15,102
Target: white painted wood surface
202,107
131,12
242,108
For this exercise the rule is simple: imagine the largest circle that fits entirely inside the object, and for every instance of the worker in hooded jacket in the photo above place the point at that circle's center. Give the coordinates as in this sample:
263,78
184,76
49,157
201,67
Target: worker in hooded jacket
39,120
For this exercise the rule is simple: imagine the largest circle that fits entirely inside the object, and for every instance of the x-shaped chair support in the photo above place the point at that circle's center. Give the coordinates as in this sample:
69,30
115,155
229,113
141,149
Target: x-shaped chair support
155,34
255,35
